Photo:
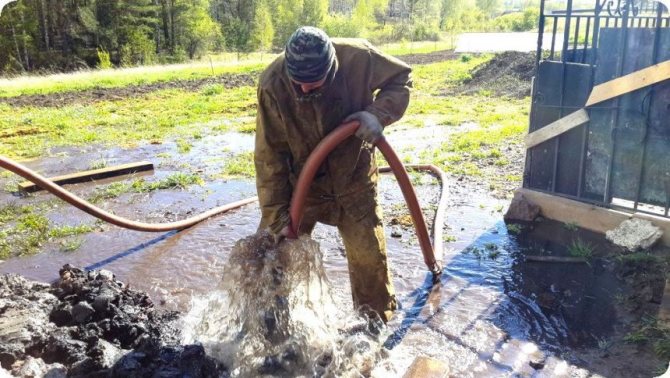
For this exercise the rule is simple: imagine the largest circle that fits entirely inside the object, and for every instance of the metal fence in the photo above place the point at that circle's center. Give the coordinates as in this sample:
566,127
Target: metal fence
620,158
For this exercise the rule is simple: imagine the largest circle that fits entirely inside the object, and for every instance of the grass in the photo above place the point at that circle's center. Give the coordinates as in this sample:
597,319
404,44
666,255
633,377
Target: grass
158,116
571,226
434,78
240,165
174,181
25,230
419,47
651,331
514,228
580,248
122,77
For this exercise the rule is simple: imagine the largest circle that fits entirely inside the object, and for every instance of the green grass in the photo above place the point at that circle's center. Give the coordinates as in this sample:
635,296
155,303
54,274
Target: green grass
240,165
651,331
65,231
25,229
158,116
571,226
640,259
514,228
174,181
435,78
580,248
419,47
116,78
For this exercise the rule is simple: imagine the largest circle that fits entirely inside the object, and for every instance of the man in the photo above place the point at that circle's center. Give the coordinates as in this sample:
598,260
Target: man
316,85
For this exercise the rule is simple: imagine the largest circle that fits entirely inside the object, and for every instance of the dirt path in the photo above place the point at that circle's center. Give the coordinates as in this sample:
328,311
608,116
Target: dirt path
111,94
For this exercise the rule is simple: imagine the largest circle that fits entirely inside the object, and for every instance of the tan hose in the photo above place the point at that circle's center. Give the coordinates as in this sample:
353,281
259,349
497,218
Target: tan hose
108,217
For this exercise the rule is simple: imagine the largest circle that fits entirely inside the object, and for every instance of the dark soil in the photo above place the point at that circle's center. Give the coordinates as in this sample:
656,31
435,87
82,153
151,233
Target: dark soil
90,324
437,56
507,74
111,94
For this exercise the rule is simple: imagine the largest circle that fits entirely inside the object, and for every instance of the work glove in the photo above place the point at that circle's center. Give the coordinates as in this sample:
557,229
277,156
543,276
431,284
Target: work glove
370,129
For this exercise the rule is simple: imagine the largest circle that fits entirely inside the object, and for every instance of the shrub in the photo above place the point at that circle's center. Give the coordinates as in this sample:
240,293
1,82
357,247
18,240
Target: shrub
104,61
341,26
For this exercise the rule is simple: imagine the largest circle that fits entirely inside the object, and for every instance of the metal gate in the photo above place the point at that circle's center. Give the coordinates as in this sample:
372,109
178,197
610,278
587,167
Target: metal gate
621,157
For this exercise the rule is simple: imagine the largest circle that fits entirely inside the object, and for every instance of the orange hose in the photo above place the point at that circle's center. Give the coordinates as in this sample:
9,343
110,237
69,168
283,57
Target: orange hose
320,153
106,216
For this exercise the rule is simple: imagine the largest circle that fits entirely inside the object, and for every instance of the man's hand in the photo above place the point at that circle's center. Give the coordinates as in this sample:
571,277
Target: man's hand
370,129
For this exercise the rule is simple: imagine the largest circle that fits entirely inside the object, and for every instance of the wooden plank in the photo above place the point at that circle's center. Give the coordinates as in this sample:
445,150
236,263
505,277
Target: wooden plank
95,174
426,367
628,83
556,128
590,217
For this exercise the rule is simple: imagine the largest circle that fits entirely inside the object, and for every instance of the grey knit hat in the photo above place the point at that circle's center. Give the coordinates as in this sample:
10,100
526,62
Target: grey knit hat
309,55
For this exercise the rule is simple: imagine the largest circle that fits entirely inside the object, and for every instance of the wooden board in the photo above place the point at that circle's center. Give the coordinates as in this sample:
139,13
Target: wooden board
425,367
95,174
556,128
590,217
631,82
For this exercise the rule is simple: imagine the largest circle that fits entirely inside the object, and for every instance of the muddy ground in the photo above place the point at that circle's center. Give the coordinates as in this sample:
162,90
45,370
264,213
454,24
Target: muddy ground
88,324
433,57
111,94
507,74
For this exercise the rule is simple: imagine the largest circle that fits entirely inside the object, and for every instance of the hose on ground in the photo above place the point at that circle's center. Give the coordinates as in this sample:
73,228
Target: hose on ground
106,216
329,143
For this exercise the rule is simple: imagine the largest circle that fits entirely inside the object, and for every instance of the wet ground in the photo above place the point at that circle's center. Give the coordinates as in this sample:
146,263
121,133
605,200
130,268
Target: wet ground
491,314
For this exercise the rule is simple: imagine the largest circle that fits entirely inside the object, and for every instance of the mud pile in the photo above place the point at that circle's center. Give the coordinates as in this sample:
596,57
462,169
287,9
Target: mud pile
507,74
90,324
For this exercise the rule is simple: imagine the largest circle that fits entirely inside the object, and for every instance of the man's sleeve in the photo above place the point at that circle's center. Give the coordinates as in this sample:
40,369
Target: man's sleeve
391,77
271,159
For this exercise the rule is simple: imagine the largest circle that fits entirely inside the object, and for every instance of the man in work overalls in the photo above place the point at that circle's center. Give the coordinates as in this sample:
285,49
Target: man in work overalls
316,85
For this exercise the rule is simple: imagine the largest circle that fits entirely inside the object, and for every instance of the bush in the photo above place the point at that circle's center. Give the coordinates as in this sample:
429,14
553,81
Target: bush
423,32
104,61
138,49
341,26
517,22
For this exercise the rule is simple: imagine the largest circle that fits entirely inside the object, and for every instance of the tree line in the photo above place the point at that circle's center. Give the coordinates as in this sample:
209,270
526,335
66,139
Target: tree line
65,35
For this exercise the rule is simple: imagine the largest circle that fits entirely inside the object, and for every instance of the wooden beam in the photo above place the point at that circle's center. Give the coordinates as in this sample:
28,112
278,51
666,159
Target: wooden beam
557,128
426,367
628,83
95,174
590,217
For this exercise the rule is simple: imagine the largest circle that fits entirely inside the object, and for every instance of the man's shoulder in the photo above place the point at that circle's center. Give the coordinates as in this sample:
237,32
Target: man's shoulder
271,76
352,44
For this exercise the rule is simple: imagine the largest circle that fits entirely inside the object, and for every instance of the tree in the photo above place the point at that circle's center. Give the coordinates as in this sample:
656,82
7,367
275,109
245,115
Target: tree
489,7
197,31
262,31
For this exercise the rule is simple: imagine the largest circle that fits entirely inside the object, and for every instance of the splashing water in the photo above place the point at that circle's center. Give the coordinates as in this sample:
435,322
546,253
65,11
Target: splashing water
274,315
